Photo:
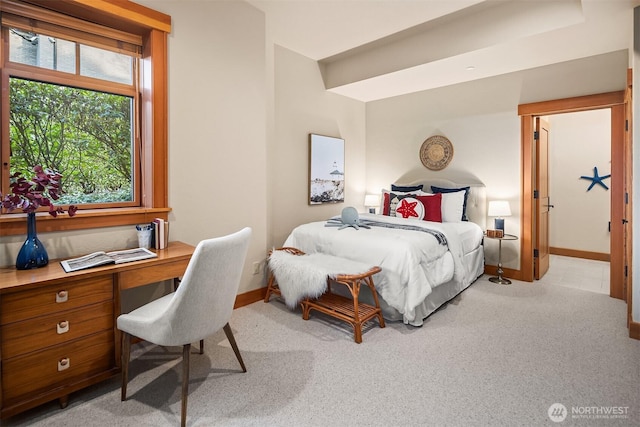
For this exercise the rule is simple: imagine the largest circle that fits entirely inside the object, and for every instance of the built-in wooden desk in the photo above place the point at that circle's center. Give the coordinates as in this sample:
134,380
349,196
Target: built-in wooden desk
58,330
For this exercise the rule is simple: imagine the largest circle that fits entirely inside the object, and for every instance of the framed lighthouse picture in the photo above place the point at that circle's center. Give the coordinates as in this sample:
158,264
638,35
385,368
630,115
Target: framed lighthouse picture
326,169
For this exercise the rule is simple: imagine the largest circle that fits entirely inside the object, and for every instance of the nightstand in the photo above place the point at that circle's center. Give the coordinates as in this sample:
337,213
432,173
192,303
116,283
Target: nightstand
499,279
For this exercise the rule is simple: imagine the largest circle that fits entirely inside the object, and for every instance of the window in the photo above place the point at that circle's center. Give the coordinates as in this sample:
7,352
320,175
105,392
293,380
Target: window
88,100
83,134
71,109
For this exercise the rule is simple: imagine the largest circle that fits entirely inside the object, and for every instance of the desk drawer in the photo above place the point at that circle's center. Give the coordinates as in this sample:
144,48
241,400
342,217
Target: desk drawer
151,273
52,299
40,372
41,332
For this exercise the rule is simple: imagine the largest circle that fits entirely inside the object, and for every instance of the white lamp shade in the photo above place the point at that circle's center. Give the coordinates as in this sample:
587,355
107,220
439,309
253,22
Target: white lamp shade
371,200
499,208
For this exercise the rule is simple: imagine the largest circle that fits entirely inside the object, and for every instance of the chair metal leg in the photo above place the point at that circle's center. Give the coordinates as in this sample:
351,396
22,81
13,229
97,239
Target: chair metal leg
126,353
201,346
234,346
186,350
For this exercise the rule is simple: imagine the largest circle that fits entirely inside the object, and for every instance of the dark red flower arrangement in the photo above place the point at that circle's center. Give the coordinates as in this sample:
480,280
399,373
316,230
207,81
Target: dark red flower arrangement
29,195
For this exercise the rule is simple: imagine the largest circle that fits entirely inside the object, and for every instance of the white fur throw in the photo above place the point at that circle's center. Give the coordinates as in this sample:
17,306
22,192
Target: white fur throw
302,276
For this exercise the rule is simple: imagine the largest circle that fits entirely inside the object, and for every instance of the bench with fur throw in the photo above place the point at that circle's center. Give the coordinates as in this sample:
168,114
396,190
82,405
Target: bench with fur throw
305,276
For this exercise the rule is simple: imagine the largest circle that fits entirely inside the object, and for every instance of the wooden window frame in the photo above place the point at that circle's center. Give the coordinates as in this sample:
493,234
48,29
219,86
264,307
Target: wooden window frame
153,27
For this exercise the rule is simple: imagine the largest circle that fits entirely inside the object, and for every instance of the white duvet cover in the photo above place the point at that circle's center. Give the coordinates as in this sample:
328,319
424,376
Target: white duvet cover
413,262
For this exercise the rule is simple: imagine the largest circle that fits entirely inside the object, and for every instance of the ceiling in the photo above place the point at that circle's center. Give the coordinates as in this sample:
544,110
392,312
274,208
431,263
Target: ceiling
376,49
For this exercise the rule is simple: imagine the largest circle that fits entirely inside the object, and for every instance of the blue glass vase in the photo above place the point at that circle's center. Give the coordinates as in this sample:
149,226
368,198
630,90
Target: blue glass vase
32,253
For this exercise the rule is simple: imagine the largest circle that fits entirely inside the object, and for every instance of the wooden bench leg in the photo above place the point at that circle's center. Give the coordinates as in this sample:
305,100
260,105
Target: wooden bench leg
369,282
305,309
354,288
270,287
357,332
347,309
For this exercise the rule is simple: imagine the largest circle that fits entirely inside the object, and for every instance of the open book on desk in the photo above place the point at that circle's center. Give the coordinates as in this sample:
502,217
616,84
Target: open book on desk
100,258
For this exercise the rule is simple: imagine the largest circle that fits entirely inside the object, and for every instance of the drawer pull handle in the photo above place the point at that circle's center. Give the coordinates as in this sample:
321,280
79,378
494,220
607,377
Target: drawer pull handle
62,327
64,364
62,296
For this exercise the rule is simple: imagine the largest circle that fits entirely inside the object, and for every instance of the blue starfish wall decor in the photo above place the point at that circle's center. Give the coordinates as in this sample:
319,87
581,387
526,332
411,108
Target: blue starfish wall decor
596,179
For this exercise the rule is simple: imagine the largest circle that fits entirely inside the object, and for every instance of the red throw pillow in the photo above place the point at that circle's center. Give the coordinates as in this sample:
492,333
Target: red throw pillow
432,207
385,204
404,206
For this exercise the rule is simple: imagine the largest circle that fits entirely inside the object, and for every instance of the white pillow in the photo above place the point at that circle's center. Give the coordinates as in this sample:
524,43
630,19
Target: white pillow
452,206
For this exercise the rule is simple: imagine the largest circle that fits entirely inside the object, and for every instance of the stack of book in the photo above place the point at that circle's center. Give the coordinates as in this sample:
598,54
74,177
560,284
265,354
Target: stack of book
160,236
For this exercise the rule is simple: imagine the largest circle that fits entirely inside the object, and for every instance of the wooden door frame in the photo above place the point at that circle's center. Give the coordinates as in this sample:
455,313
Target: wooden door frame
634,327
541,204
527,112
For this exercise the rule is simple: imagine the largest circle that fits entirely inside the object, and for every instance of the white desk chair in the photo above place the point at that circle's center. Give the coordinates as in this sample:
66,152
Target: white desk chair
200,307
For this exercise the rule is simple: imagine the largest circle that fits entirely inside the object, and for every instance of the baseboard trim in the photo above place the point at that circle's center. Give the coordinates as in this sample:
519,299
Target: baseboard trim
507,273
634,330
250,297
597,256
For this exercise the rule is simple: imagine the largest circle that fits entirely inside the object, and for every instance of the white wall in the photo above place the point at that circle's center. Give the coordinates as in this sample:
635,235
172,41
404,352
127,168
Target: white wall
486,143
577,143
303,106
217,128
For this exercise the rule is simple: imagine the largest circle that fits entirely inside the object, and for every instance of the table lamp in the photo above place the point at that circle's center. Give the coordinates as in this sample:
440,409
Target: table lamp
371,201
499,209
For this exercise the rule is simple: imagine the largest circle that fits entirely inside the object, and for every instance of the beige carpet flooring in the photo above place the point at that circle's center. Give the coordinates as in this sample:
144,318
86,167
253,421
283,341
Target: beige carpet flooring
495,356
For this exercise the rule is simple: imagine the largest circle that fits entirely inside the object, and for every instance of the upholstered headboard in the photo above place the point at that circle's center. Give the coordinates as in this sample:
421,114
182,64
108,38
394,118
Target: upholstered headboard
476,202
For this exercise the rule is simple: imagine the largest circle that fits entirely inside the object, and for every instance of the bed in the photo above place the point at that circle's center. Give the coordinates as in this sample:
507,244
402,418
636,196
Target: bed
424,263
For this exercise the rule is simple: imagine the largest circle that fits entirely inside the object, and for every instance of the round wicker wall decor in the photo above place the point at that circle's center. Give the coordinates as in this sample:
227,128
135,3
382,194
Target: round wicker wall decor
436,152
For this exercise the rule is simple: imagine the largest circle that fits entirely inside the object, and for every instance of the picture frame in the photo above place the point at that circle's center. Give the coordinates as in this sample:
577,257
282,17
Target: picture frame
326,169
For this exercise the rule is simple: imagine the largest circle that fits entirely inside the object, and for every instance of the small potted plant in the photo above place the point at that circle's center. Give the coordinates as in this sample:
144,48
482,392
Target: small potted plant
29,195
